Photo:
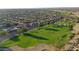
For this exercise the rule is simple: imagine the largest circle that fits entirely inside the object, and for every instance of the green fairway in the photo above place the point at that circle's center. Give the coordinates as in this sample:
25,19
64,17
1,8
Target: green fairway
49,34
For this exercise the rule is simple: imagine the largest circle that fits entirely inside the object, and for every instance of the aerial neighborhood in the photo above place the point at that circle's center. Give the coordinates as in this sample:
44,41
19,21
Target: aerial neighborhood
21,29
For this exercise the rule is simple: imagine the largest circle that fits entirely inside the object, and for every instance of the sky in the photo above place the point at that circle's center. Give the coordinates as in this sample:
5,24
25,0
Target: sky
38,3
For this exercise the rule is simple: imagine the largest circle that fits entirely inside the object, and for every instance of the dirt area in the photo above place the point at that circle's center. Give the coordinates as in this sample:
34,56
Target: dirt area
76,13
40,47
76,29
73,44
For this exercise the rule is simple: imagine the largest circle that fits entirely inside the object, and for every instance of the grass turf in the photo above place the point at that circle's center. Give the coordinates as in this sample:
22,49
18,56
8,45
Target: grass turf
49,34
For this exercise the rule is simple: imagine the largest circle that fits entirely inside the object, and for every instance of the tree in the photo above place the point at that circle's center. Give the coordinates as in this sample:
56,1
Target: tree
2,32
22,30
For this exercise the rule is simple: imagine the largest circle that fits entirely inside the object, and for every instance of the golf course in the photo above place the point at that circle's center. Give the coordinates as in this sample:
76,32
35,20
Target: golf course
57,34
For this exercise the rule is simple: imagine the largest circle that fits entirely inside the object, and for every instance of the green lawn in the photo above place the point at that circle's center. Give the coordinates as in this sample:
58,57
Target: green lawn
2,32
49,34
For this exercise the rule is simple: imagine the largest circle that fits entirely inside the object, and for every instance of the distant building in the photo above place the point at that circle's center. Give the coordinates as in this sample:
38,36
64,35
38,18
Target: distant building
10,29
